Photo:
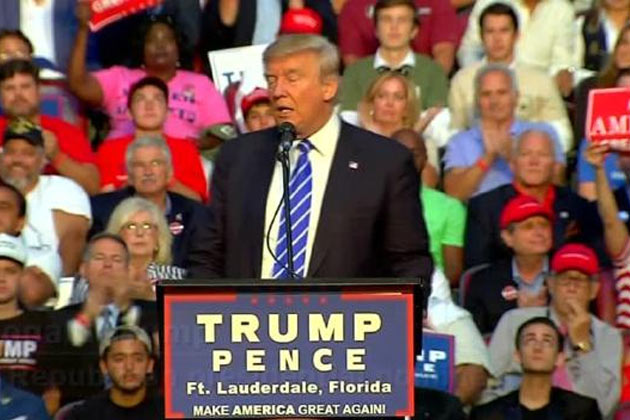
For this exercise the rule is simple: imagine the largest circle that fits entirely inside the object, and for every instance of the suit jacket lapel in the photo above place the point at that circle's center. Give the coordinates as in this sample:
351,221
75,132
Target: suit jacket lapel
332,203
263,164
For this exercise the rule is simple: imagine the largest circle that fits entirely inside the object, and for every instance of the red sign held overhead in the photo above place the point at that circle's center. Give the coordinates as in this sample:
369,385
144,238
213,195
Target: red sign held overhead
608,117
105,12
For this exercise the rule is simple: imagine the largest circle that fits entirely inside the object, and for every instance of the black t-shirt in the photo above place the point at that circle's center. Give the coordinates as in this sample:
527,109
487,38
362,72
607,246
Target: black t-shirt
538,414
21,348
101,407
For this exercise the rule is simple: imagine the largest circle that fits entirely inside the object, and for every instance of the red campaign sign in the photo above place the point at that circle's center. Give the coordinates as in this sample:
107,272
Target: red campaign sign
105,12
608,117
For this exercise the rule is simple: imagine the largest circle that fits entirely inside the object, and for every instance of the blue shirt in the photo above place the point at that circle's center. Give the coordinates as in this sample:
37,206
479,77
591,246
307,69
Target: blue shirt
466,147
586,172
18,404
535,286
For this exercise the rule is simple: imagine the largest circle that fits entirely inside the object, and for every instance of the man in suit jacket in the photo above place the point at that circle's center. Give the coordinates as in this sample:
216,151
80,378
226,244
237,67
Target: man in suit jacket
575,218
539,350
365,216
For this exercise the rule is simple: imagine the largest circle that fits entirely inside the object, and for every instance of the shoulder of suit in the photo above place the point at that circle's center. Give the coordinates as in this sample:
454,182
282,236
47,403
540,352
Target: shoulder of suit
370,140
493,197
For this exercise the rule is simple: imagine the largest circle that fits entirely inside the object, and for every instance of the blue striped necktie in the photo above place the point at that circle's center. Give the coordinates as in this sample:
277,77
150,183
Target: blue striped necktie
300,191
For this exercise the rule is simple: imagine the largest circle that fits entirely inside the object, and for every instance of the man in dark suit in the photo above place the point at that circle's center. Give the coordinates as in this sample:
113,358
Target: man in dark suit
539,350
365,217
532,164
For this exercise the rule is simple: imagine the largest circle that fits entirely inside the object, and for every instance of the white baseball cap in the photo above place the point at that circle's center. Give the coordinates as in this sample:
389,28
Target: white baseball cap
12,248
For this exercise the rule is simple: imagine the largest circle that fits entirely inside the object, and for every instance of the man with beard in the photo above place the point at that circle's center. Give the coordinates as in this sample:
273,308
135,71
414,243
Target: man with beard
126,358
58,210
539,350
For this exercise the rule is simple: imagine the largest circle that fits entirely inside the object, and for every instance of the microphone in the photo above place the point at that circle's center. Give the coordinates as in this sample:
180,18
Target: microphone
287,134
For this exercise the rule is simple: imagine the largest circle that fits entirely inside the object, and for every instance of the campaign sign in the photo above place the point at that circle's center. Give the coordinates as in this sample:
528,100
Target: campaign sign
234,64
292,354
608,117
435,365
105,12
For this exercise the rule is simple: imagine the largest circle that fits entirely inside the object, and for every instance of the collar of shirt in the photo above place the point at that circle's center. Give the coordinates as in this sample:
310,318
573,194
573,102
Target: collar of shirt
539,280
322,138
548,201
409,60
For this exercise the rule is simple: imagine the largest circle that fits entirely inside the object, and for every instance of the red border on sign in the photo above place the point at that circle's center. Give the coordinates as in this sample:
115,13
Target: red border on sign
168,301
589,109
408,298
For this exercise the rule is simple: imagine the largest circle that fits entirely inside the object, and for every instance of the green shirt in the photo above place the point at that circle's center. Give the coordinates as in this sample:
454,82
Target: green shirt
445,218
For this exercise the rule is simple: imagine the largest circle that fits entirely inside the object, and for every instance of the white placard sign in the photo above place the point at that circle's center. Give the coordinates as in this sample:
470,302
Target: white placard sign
230,65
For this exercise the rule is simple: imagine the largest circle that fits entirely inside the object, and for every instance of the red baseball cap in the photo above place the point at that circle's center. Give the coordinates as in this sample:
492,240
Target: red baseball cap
575,257
520,208
301,21
255,96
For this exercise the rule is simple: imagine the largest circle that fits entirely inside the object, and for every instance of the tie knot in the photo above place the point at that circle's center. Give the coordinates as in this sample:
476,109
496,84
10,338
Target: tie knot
305,146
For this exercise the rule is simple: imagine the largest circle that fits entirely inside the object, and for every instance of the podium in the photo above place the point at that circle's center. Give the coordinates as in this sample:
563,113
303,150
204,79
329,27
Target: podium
289,348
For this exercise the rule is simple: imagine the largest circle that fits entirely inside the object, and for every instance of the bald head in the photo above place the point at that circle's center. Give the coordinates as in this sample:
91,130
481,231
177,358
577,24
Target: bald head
415,143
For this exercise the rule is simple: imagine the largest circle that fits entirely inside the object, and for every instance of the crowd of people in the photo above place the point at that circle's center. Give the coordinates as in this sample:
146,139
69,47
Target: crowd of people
120,167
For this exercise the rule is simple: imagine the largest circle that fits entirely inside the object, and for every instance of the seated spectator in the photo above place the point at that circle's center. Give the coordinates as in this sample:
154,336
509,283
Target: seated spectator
56,99
617,165
545,41
472,362
597,32
18,404
148,106
194,103
539,351
142,225
574,217
42,268
58,210
616,234
538,98
67,150
126,358
437,39
150,181
476,160
23,330
606,78
518,282
396,26
592,348
229,24
390,104
81,327
444,216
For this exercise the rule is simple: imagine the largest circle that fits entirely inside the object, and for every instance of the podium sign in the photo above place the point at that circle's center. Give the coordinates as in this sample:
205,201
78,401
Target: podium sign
293,352
608,117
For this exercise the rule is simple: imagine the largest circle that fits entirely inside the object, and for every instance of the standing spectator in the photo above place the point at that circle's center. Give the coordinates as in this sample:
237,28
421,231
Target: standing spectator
23,330
395,26
148,106
142,226
517,282
592,348
476,160
445,216
40,277
438,37
150,169
126,357
58,210
229,24
547,33
538,96
67,150
195,104
539,350
574,217
81,327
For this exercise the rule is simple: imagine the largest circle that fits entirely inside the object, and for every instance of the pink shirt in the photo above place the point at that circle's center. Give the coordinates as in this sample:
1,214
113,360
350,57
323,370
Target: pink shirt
194,102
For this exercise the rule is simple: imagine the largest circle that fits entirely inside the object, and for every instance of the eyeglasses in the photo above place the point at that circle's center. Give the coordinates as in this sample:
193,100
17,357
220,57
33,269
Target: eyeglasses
564,280
136,227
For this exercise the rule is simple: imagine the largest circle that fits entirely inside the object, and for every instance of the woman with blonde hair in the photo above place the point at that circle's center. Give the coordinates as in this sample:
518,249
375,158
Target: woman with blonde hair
390,104
143,227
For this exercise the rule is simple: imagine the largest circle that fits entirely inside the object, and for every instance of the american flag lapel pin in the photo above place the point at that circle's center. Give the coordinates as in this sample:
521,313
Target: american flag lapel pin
353,165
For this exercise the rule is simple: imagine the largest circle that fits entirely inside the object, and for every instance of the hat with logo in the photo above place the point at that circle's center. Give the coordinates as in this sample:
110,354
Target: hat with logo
301,21
520,208
575,257
256,96
12,248
24,129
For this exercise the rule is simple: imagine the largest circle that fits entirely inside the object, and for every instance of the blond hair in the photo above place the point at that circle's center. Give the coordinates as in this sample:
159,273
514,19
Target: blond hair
412,110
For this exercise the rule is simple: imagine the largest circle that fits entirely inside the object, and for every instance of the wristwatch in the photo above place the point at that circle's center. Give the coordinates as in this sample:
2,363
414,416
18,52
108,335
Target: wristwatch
583,346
